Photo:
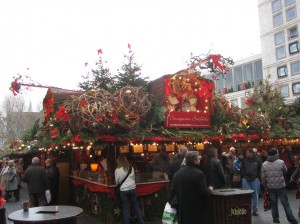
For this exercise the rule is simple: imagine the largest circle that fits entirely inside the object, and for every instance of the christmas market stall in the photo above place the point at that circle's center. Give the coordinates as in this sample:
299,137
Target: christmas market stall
96,126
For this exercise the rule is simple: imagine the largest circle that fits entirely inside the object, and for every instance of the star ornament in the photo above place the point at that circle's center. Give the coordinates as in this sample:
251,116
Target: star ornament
117,211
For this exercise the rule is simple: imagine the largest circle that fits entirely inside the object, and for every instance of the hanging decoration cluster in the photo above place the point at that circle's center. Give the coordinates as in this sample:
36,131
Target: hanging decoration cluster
132,103
215,64
20,81
99,108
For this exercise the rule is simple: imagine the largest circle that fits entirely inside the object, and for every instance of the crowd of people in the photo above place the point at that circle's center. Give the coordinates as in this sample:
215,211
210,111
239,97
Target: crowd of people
42,182
193,176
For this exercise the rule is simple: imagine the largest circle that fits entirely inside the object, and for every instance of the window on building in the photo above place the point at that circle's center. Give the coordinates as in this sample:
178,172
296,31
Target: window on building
219,85
243,105
294,47
291,13
279,38
229,81
277,19
295,68
276,5
284,91
238,78
235,102
280,52
296,88
248,74
289,2
258,73
282,71
292,32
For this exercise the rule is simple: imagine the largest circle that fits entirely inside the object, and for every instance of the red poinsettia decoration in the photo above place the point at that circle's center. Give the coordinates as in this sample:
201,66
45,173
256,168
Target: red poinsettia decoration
77,139
62,114
249,102
48,108
15,86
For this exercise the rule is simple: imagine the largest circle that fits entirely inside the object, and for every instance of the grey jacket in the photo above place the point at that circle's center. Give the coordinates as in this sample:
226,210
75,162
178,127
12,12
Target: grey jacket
272,173
11,179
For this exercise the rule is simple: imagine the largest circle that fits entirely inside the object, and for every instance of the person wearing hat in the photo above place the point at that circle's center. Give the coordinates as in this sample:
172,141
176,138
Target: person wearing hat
272,178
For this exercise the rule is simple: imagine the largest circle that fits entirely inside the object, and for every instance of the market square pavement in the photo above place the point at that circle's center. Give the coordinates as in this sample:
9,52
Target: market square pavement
262,218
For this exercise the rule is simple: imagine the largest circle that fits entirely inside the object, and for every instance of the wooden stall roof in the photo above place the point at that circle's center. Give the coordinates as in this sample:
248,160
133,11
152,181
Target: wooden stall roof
156,88
60,96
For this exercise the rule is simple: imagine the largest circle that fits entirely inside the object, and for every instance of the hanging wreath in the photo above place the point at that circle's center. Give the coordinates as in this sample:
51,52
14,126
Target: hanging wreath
132,104
93,108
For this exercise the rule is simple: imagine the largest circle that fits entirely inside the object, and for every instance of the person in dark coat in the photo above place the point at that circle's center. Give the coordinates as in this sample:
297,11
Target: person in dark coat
189,185
53,176
37,182
176,164
288,158
215,173
250,174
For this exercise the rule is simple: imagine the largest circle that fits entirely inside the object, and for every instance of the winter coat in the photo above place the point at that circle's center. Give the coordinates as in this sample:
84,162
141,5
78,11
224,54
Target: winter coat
189,185
215,173
230,161
251,168
36,179
174,167
296,175
237,164
53,176
3,175
287,157
11,179
272,173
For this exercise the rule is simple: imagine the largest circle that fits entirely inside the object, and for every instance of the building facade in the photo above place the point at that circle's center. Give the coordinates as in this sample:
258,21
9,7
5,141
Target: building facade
279,22
279,34
241,77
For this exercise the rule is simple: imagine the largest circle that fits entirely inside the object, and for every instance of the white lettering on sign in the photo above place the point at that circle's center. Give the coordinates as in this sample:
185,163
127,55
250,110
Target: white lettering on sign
194,118
238,211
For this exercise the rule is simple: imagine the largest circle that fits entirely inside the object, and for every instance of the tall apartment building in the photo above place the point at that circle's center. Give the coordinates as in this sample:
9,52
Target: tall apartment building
279,34
279,22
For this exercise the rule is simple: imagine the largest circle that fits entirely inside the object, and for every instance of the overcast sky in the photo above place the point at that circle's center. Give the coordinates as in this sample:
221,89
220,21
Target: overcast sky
55,38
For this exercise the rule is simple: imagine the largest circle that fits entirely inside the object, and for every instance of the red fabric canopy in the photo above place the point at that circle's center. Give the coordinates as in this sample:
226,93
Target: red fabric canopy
141,189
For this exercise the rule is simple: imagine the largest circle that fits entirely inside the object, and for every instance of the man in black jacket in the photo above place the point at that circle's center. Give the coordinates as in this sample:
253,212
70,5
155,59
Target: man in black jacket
53,176
250,173
176,164
189,185
37,182
214,170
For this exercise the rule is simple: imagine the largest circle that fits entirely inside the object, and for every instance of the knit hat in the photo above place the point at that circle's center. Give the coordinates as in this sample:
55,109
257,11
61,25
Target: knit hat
272,151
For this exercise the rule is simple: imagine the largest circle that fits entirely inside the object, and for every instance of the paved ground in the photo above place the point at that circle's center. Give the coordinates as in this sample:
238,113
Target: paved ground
263,218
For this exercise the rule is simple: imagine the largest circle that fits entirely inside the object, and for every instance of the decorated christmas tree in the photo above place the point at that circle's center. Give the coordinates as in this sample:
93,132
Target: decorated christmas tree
99,77
130,73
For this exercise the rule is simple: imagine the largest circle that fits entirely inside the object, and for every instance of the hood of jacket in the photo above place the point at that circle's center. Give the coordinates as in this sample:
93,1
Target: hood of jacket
272,158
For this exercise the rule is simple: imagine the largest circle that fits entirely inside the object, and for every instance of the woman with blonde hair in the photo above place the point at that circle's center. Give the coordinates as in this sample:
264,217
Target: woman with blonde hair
124,175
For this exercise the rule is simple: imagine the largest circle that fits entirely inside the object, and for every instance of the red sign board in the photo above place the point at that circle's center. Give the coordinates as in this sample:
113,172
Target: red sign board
178,119
54,132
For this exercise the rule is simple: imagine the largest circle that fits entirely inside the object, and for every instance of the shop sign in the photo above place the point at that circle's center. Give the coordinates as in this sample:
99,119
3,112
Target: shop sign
238,211
178,119
54,132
